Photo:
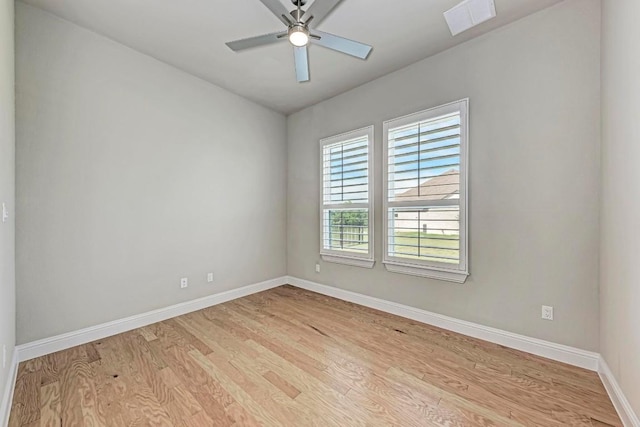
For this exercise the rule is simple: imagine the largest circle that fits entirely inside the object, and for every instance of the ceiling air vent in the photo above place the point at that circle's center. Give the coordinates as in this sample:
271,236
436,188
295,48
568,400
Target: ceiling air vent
468,14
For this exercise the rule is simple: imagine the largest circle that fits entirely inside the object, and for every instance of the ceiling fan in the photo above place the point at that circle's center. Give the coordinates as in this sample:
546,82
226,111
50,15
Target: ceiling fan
300,35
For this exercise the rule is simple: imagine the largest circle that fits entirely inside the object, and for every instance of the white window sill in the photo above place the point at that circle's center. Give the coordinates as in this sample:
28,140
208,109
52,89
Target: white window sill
356,262
432,273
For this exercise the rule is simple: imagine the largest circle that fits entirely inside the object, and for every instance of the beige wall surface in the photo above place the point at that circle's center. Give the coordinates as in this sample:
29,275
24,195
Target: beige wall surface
131,175
7,188
620,227
534,89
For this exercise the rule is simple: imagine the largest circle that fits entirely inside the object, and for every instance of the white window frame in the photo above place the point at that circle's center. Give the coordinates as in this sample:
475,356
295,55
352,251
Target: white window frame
423,268
359,260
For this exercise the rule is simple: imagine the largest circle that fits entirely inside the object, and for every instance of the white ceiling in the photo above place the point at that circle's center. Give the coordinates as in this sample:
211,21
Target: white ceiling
190,35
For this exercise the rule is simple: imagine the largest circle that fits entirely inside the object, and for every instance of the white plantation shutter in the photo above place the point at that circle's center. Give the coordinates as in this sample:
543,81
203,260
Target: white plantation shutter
425,193
346,172
346,208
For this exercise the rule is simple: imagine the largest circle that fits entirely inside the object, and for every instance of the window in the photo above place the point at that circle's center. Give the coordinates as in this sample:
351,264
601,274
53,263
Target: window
425,193
347,198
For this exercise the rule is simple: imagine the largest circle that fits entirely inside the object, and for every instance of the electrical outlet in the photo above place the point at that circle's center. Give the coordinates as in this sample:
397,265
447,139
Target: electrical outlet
317,267
5,212
4,356
547,312
184,282
209,277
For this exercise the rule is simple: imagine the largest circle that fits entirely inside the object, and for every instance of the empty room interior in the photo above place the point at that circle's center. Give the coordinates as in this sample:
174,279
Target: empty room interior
320,213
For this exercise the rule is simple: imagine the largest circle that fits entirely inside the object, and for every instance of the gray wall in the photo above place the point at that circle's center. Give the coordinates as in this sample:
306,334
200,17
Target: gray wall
132,174
7,189
620,269
534,89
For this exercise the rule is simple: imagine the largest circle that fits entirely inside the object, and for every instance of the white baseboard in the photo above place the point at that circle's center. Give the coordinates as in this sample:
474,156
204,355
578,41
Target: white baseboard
622,405
71,339
562,353
7,397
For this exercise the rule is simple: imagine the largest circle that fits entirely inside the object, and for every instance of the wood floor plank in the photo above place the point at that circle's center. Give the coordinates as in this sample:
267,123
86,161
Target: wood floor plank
48,369
137,345
86,383
186,401
147,334
282,384
70,396
27,395
143,407
260,403
92,352
212,397
288,356
50,407
192,339
15,415
110,390
169,378
198,420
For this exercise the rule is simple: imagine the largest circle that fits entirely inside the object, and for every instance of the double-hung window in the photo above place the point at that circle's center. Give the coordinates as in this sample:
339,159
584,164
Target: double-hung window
425,193
346,208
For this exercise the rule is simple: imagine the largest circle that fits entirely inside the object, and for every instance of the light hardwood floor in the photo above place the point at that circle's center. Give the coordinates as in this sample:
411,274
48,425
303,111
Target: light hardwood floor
295,358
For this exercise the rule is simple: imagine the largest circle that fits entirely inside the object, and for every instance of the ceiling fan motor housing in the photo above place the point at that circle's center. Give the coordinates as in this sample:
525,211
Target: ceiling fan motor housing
298,28
299,2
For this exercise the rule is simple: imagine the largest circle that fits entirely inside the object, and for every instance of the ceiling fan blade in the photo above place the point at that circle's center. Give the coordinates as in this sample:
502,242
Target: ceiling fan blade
256,41
350,47
278,9
319,10
302,63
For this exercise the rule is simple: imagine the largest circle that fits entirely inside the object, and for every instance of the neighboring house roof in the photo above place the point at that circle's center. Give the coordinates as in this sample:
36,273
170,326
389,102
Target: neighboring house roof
437,188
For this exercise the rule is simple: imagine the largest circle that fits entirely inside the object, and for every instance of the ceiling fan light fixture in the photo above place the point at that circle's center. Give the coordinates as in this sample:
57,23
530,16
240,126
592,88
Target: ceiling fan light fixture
298,35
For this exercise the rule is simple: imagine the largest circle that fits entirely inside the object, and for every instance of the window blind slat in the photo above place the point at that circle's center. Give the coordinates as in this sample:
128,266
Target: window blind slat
414,134
421,152
342,157
413,144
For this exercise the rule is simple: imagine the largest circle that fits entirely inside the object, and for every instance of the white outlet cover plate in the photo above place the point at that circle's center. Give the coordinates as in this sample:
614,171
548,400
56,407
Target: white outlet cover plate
210,277
184,282
547,312
5,212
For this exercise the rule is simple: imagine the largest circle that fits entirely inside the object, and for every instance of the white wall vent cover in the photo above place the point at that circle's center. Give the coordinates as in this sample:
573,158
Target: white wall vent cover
468,14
